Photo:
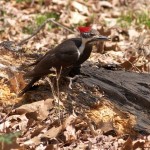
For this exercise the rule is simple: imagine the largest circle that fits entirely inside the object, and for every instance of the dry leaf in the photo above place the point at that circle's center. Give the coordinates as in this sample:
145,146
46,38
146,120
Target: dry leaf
17,82
77,18
139,144
40,107
128,144
53,132
34,141
129,63
82,8
106,4
70,133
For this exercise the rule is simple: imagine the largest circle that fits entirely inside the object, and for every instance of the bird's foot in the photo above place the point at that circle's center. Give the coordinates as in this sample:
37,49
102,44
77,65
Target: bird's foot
71,79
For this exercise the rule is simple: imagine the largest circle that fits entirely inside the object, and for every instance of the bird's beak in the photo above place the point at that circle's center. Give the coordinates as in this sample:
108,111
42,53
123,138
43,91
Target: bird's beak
100,38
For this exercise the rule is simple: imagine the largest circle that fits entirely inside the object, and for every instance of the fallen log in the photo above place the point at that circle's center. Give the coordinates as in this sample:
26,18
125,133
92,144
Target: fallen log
129,91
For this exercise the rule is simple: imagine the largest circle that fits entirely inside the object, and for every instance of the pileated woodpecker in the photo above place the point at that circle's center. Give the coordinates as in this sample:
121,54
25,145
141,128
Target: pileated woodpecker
67,55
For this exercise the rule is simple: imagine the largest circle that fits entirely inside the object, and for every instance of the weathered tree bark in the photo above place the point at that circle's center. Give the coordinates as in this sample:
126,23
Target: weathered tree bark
128,90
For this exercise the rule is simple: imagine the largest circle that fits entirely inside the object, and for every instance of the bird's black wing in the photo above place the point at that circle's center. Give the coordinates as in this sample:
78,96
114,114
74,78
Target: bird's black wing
67,53
64,55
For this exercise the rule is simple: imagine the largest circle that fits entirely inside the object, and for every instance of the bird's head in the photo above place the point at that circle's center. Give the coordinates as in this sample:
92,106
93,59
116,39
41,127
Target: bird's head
90,35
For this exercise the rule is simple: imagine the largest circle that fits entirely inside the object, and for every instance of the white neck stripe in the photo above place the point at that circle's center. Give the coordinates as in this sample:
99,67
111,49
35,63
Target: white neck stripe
82,47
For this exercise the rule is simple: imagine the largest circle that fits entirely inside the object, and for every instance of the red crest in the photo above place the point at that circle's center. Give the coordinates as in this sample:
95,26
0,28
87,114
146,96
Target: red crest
84,29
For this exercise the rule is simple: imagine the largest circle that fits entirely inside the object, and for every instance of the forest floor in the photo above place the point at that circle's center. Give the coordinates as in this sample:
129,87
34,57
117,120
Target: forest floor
35,120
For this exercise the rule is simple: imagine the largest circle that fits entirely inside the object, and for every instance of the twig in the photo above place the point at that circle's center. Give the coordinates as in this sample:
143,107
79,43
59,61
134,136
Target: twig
42,26
32,3
84,116
56,94
80,109
4,119
58,91
55,22
133,66
12,46
52,88
91,127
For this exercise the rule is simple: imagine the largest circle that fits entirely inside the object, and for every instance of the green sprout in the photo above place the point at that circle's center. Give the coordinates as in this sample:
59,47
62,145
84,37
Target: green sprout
8,138
138,18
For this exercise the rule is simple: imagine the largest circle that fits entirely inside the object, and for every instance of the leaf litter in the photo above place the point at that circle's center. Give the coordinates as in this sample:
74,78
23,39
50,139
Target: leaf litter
43,123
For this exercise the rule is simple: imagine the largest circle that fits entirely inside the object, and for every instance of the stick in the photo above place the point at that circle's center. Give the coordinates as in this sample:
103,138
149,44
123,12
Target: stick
58,91
42,26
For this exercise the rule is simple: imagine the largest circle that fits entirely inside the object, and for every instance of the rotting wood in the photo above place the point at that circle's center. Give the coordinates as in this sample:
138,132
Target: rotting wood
129,91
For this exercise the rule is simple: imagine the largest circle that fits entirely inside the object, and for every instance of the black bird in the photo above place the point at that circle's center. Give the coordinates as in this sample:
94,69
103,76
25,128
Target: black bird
67,55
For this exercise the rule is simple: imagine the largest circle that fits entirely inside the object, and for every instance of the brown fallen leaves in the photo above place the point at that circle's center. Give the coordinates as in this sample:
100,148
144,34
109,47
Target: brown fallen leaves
71,132
40,126
43,124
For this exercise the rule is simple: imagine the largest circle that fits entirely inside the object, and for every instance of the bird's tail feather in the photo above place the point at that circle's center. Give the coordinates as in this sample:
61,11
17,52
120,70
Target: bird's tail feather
29,85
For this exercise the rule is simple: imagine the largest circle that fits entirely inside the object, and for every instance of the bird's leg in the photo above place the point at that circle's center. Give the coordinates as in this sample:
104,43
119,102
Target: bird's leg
71,73
71,79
